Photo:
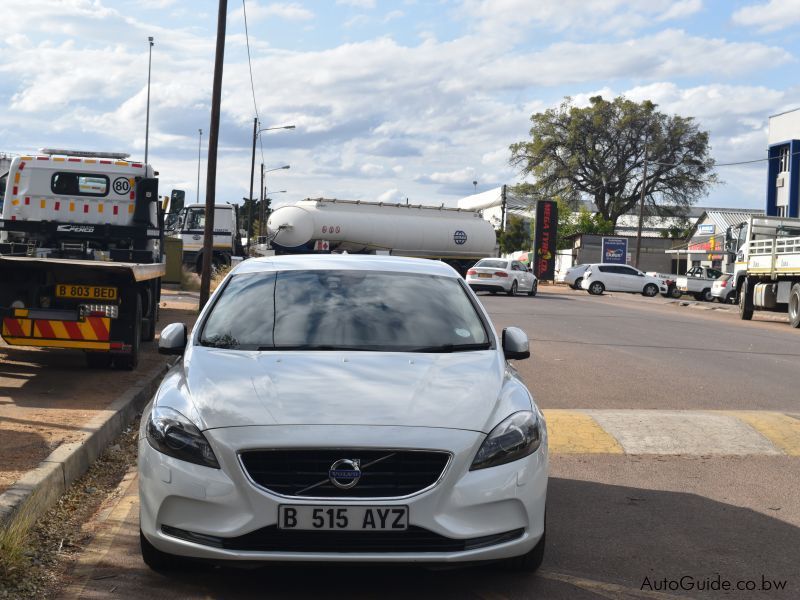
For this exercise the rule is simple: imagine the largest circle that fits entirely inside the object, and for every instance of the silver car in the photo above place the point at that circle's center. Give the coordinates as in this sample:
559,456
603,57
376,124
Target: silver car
722,289
343,408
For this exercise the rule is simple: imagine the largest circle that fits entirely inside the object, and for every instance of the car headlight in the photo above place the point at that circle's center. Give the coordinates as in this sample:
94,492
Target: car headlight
516,437
169,432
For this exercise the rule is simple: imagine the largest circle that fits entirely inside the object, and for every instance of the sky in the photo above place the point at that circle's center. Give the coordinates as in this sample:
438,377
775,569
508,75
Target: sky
391,99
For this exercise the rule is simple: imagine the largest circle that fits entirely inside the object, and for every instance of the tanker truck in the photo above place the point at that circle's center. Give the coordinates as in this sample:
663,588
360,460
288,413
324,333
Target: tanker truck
458,237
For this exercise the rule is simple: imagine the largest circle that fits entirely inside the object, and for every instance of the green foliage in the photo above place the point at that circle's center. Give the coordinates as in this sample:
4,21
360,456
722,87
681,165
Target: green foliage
598,152
570,224
517,235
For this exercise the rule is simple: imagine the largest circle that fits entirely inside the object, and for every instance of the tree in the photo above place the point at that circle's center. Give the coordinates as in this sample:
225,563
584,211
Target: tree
583,221
517,235
598,153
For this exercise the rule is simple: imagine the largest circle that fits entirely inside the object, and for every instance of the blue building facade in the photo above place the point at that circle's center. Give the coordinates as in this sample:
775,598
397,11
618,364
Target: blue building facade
783,172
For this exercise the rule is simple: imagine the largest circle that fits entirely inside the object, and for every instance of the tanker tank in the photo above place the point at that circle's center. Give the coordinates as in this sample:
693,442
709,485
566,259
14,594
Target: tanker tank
369,227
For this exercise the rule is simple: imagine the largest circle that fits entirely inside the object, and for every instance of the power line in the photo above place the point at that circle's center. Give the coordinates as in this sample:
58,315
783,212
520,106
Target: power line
250,67
732,164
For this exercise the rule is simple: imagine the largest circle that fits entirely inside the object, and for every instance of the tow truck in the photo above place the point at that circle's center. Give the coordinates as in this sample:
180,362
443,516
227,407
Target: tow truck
81,238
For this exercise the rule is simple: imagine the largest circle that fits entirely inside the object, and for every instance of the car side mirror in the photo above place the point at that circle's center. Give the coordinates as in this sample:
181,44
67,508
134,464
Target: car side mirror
173,339
515,344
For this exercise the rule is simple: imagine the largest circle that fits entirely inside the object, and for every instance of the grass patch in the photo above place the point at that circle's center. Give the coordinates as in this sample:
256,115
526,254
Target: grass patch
190,280
15,550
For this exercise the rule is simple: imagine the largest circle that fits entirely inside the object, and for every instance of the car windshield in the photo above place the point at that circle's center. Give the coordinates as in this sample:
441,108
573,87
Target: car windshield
493,264
344,310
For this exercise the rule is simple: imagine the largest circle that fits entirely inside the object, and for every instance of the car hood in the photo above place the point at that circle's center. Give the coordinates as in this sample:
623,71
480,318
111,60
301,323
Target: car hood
236,388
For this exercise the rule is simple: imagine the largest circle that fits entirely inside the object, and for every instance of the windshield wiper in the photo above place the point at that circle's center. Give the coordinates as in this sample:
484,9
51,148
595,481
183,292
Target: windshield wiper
318,347
452,348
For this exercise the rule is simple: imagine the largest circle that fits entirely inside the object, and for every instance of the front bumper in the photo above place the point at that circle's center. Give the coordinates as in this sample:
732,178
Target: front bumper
195,511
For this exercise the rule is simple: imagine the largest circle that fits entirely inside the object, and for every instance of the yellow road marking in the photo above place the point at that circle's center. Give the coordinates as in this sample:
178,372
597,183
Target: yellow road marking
573,432
782,430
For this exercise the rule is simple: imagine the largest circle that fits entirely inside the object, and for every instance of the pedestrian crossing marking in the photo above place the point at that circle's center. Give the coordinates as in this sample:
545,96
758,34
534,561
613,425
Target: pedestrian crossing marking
782,430
571,432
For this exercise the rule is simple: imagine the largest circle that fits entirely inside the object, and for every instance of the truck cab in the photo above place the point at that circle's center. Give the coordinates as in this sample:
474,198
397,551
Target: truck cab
189,226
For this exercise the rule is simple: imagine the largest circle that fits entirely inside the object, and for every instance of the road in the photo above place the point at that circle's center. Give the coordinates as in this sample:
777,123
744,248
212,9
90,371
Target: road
633,511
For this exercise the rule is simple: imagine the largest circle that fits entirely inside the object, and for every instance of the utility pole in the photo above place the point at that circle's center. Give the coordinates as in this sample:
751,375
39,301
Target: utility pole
641,206
252,169
213,134
261,205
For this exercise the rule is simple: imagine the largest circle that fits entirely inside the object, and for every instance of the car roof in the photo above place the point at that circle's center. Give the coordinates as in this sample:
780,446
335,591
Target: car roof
347,262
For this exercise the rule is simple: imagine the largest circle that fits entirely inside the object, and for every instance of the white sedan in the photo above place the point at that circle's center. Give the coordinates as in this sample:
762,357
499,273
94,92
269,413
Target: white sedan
599,278
343,408
502,275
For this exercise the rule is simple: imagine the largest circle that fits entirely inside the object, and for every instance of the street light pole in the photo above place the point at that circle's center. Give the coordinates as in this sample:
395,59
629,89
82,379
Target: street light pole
199,148
250,196
256,131
261,205
147,119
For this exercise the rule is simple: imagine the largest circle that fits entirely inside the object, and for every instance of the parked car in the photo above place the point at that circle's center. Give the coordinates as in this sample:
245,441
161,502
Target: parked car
671,281
722,289
501,275
331,408
603,277
574,276
698,281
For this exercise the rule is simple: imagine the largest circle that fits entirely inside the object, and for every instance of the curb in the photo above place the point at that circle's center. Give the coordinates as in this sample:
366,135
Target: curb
40,488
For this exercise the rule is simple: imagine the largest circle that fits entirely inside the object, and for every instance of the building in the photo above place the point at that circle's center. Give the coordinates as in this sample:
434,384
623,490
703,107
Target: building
706,244
783,173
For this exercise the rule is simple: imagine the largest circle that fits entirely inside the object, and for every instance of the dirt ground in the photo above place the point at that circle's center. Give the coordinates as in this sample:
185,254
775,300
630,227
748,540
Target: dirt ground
48,395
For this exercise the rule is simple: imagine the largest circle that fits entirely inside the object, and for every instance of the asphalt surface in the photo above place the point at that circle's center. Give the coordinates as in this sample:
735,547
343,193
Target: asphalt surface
620,525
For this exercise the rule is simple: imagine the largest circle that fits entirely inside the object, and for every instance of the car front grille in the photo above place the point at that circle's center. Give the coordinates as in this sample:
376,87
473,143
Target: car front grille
384,473
413,539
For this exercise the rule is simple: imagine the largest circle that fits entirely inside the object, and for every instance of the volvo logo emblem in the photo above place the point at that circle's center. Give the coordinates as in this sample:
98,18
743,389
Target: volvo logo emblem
345,473
460,237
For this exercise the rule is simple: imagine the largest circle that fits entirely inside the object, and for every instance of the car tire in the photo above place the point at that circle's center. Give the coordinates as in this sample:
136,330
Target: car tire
161,561
650,290
577,284
731,297
513,290
534,288
596,288
674,292
706,296
794,306
530,562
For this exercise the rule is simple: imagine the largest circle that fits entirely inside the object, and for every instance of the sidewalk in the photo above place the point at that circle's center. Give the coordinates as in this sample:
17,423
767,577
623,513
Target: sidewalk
56,414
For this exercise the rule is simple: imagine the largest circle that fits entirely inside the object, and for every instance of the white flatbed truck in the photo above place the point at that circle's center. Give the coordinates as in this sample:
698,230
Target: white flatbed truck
767,268
81,238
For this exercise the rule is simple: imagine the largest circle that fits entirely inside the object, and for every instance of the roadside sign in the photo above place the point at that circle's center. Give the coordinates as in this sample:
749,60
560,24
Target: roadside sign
709,229
544,245
322,246
615,250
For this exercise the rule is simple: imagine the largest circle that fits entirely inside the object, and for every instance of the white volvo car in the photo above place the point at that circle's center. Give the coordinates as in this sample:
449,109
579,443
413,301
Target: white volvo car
343,408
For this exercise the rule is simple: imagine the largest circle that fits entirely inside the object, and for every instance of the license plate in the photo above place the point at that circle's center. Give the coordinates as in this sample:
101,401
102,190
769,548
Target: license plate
343,518
486,275
85,292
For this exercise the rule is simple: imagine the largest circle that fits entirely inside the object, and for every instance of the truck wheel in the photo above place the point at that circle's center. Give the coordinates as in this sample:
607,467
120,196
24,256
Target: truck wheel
745,301
131,361
674,292
149,332
794,306
706,296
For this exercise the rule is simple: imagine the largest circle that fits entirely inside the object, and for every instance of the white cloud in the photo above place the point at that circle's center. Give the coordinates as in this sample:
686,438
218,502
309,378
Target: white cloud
392,195
391,16
365,4
772,16
290,11
681,9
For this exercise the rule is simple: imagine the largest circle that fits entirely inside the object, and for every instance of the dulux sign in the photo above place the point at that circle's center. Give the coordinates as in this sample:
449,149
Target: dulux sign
615,250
